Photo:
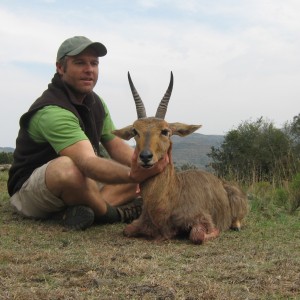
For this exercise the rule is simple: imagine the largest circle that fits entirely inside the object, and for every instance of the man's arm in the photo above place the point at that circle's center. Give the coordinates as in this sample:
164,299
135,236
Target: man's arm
119,151
106,170
61,129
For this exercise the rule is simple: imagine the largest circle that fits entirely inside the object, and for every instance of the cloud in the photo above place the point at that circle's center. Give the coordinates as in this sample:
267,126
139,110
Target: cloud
232,60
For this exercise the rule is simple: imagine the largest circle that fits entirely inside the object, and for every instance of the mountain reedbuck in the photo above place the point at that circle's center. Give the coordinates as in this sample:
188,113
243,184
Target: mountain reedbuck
191,202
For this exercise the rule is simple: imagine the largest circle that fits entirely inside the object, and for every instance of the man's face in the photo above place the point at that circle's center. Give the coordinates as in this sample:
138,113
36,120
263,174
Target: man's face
80,72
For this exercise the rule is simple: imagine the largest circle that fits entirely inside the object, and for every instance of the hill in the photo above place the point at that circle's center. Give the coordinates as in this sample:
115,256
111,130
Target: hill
193,149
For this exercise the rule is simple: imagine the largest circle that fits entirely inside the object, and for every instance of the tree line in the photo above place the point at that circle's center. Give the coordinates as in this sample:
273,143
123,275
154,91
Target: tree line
6,157
259,152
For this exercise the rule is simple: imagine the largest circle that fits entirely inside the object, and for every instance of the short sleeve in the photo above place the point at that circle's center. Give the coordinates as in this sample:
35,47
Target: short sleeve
57,126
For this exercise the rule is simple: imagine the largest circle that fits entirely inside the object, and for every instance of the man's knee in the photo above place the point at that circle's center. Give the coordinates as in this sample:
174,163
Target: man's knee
63,171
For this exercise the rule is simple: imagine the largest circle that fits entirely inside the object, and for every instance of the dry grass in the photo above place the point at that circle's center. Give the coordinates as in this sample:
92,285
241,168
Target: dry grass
40,260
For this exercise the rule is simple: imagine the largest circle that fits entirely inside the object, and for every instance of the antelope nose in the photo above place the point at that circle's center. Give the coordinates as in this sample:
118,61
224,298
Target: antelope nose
146,156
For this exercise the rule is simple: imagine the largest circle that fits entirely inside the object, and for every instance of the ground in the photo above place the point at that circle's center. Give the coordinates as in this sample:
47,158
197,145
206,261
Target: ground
41,260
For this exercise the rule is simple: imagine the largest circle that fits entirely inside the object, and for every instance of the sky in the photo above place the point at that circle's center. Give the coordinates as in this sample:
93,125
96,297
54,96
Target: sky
233,60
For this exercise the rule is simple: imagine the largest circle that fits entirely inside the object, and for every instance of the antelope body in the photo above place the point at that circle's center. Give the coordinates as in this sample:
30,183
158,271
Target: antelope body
191,202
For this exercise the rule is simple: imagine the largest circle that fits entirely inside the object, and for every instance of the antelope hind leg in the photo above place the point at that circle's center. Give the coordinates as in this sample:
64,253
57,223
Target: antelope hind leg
199,234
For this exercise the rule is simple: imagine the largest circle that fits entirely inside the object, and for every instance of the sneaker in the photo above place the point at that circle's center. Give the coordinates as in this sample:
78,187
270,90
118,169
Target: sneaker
77,217
131,211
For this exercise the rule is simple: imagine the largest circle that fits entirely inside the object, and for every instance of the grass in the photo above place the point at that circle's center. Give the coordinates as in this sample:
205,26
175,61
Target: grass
41,260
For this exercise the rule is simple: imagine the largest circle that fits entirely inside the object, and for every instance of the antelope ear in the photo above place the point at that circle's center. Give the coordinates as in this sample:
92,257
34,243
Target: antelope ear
125,133
183,129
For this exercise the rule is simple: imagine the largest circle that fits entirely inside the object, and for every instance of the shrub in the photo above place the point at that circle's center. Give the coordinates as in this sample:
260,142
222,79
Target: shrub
295,192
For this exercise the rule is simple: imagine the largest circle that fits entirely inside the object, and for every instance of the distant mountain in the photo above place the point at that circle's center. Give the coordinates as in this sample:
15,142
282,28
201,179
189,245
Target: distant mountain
193,149
6,149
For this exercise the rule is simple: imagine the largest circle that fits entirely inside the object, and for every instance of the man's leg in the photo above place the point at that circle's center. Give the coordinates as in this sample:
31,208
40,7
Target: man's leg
65,181
34,200
60,187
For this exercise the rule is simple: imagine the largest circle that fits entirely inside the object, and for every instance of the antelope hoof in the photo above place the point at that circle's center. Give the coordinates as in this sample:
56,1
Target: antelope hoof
235,228
236,225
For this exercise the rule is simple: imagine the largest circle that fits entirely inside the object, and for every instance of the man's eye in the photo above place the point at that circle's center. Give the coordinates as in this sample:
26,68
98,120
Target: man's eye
165,132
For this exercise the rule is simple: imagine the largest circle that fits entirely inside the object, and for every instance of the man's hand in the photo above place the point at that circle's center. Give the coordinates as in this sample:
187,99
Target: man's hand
140,174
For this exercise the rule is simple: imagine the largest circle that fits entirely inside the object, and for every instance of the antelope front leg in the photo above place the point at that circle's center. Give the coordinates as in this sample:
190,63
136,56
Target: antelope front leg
142,227
133,229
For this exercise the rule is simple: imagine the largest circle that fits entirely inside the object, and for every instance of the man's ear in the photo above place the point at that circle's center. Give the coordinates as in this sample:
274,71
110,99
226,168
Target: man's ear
183,129
59,68
125,133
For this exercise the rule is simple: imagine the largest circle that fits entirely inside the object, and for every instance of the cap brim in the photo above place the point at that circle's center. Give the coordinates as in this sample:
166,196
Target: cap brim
98,47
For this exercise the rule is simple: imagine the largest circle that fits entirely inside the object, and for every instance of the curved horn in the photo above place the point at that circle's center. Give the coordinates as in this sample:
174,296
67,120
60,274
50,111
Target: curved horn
162,108
140,108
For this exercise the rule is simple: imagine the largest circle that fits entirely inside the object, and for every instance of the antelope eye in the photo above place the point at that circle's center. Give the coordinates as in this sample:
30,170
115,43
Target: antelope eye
165,132
134,132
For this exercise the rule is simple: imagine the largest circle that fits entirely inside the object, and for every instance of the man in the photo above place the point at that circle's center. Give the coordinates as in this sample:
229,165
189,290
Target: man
57,168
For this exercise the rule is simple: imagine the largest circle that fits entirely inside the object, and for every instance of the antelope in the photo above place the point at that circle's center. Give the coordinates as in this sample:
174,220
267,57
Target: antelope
193,202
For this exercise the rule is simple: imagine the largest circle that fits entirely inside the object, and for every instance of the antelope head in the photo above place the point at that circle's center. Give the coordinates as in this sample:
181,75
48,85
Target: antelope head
152,134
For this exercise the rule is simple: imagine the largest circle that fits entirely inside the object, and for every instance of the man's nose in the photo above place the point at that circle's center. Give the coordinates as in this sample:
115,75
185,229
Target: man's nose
89,67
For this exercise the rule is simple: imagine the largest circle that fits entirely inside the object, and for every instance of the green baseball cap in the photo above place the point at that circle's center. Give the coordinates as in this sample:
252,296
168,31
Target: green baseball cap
76,45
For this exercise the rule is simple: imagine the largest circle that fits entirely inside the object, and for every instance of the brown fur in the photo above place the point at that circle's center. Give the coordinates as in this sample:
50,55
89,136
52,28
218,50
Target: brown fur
180,203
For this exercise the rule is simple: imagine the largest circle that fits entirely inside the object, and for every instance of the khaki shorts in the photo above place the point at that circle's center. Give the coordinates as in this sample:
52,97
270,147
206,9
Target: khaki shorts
34,200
